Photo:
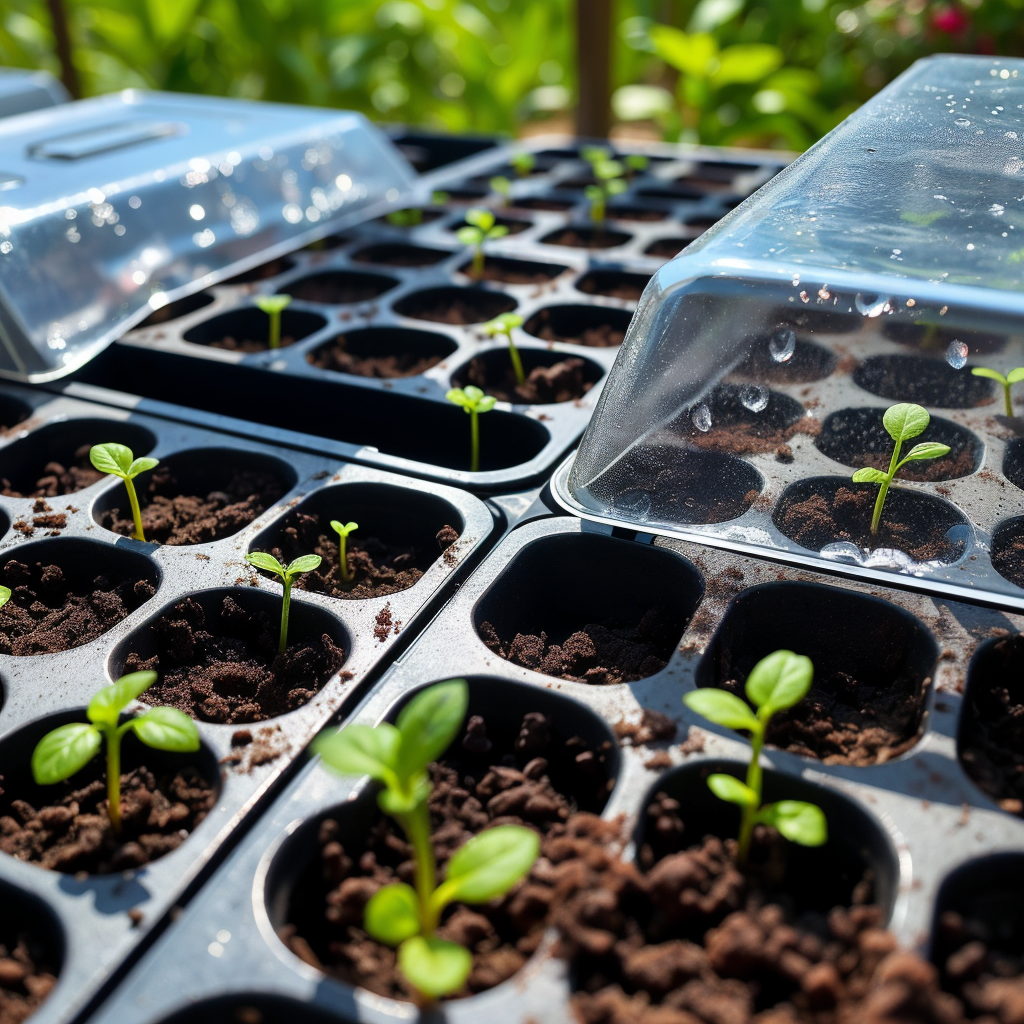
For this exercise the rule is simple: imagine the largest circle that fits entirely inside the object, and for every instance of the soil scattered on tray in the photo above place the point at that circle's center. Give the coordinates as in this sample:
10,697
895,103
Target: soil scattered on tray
335,356
56,479
170,517
26,979
379,567
544,385
536,782
73,832
223,665
459,307
586,238
47,613
601,654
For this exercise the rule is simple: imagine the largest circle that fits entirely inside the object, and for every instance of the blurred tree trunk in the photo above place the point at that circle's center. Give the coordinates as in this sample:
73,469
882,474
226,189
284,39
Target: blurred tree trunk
593,62
62,38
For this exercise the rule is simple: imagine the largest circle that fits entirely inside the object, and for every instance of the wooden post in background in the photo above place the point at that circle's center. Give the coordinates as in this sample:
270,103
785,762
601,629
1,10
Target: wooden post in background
593,63
62,41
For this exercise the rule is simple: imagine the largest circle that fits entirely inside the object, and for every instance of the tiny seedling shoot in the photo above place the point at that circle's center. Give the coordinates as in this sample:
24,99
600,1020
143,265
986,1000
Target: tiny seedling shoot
1013,377
776,682
474,401
274,306
635,164
523,163
117,459
902,422
504,325
488,866
287,574
609,183
407,218
501,185
69,748
479,228
343,530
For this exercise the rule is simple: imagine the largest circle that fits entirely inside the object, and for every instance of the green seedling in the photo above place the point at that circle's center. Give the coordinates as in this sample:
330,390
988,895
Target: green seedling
117,460
407,218
636,163
777,682
609,183
488,866
902,422
480,227
501,185
287,574
504,325
1013,377
439,198
474,401
274,306
523,163
343,530
69,748
5,595
595,154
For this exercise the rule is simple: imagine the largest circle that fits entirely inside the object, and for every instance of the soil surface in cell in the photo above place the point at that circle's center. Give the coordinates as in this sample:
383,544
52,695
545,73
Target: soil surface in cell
378,566
932,338
400,255
223,665
614,286
586,238
170,517
540,203
600,335
560,382
535,782
637,213
47,613
56,479
339,288
459,307
809,362
426,215
1008,556
72,833
248,345
598,653
667,247
263,272
506,271
335,356
930,382
26,978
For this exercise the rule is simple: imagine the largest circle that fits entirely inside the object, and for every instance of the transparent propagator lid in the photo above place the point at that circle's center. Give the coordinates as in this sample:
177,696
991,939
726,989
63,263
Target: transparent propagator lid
882,267
112,207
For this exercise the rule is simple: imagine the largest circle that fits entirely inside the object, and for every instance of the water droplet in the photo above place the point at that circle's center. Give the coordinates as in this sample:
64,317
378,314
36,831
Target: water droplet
782,345
959,536
842,551
962,122
997,209
701,417
871,305
6,247
754,397
956,354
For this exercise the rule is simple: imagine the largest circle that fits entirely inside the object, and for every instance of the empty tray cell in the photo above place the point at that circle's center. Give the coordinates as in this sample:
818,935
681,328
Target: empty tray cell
550,377
508,271
394,254
614,284
780,360
263,272
457,306
338,287
637,213
589,609
930,382
579,237
248,329
32,949
382,352
180,308
594,326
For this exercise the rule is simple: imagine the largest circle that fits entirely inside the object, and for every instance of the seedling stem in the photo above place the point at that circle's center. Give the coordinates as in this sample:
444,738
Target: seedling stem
286,574
343,530
273,306
1005,382
474,402
504,325
480,227
117,460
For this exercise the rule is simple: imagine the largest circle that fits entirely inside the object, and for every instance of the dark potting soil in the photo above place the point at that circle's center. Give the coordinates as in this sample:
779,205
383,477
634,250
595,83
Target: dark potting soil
379,567
930,382
47,613
334,356
586,238
625,287
956,464
539,203
223,666
636,213
507,271
597,336
170,517
738,431
537,783
248,345
1008,558
598,653
73,833
56,479
26,978
667,247
561,382
466,308
396,255
337,289
808,363
263,272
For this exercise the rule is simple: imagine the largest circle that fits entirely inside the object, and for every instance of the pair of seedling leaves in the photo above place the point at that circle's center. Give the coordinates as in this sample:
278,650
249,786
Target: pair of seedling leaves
481,226
485,868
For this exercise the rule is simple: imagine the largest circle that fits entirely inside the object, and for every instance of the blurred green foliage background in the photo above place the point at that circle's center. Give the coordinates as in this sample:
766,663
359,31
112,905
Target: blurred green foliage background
733,72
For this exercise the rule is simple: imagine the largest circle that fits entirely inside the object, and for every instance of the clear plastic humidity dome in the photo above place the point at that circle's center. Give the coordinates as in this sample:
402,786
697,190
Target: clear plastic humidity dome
884,266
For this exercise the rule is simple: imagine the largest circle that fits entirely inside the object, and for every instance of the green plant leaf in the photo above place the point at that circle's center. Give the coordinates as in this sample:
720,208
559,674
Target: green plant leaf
797,821
498,231
593,193
396,802
5,595
108,703
523,162
925,450
595,154
500,184
141,466
870,475
480,218
746,63
429,723
304,563
490,864
393,915
265,561
469,236
434,966
360,750
486,404
66,750
343,529
984,371
693,54
779,681
1015,375
731,790
905,420
115,459
167,729
273,303
722,708
637,161
616,187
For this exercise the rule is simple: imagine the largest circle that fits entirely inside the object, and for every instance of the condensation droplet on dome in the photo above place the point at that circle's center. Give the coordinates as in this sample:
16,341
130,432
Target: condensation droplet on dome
782,345
701,417
962,122
956,354
871,305
754,397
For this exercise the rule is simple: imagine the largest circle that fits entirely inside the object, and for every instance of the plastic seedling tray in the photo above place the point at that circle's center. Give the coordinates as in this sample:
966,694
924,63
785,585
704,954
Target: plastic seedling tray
91,923
932,837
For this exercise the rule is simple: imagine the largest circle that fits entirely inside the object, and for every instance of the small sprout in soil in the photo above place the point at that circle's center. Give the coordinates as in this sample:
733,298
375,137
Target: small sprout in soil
501,185
1013,377
487,867
117,459
776,682
5,595
274,306
479,228
474,401
523,163
69,748
902,422
609,183
635,164
343,530
595,154
287,574
504,325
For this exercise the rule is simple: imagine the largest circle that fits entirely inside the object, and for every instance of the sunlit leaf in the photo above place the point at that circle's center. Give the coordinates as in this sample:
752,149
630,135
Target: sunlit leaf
731,790
721,707
779,681
167,729
108,703
392,915
434,966
66,750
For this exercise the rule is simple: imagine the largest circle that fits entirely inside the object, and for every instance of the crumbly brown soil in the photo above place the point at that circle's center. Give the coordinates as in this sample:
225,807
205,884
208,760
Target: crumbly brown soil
623,287
247,345
505,271
597,336
586,238
600,654
752,434
46,613
170,517
560,382
667,247
73,832
1008,559
379,567
223,665
334,356
956,464
536,783
26,978
930,382
468,308
808,363
56,479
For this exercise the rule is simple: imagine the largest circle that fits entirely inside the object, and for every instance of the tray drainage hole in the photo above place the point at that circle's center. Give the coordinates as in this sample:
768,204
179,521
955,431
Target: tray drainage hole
247,330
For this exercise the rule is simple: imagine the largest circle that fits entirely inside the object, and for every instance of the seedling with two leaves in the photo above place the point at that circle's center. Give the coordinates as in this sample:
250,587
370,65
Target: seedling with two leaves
412,216
69,748
273,306
480,227
777,682
636,163
501,185
286,574
609,183
1013,377
504,325
117,459
488,866
473,401
523,163
343,530
902,422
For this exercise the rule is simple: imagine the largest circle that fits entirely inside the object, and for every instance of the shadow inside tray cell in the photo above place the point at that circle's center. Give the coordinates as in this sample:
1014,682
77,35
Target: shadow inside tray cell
262,1009
669,247
13,411
382,352
34,944
593,326
247,329
456,306
614,284
175,310
1013,462
338,287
